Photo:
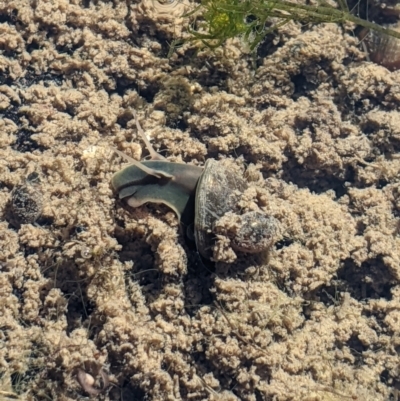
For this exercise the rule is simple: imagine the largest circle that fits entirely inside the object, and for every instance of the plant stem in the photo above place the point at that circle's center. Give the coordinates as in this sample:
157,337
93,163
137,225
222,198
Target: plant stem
229,18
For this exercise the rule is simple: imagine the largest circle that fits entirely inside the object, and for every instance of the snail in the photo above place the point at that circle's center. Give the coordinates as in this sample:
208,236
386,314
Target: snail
27,201
381,48
206,197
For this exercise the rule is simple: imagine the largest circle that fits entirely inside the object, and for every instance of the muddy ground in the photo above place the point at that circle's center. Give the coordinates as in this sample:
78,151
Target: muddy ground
88,287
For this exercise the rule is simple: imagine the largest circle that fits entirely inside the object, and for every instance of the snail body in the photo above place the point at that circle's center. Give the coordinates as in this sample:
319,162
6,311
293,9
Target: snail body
208,197
137,187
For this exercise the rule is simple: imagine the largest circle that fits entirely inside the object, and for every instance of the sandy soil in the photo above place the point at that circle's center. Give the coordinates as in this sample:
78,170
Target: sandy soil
88,288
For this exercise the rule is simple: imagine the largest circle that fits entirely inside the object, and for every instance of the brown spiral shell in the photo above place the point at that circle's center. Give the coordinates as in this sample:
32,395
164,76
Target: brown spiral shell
382,49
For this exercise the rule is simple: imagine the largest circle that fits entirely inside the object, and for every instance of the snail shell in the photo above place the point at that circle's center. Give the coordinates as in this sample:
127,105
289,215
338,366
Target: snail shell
209,197
382,49
26,203
217,195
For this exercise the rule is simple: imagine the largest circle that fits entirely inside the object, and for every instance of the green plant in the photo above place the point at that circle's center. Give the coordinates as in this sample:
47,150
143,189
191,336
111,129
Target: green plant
251,19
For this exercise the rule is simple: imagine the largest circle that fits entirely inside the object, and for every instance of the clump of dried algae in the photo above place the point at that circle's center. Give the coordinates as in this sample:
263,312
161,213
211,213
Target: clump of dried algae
90,286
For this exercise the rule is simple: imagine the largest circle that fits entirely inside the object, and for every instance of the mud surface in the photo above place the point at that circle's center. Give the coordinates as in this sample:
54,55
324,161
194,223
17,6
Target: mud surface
86,286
